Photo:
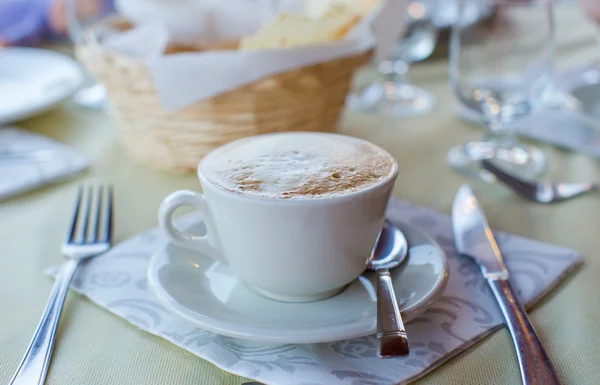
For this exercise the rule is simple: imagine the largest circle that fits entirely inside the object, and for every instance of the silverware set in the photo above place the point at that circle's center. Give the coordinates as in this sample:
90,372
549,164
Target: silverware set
90,235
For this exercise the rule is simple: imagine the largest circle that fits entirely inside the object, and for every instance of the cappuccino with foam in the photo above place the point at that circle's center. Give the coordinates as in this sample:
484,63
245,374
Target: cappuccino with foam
318,203
298,165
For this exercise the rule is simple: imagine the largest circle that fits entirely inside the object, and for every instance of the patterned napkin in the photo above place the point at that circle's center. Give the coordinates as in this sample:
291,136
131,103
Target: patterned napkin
562,127
463,315
28,161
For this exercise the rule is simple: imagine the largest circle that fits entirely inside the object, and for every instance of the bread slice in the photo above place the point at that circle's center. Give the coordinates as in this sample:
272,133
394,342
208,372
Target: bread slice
363,7
319,8
294,30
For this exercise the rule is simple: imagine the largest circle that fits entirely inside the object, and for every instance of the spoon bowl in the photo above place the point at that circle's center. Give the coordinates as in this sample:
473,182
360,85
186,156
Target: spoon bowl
390,249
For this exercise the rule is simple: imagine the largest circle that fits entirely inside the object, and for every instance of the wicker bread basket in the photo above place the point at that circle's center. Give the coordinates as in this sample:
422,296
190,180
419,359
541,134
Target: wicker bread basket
306,99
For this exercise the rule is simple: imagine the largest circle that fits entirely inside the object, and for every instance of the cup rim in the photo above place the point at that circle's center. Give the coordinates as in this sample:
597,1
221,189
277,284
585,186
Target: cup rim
390,179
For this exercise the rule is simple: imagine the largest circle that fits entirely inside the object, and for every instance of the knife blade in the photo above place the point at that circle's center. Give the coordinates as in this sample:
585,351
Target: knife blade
474,238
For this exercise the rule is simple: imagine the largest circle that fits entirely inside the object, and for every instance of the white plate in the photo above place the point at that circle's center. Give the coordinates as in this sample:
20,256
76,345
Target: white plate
208,294
34,80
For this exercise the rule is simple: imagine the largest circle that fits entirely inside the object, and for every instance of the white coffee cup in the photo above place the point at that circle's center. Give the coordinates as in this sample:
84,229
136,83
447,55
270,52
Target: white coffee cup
293,250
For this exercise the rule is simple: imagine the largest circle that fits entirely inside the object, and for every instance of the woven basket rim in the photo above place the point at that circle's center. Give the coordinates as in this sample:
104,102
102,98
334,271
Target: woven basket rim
307,98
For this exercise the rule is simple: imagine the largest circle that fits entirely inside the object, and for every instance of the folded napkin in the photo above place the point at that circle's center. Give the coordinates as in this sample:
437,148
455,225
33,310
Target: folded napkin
463,315
562,127
29,161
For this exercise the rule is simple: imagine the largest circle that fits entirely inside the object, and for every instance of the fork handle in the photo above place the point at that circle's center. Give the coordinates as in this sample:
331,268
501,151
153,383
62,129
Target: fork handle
35,363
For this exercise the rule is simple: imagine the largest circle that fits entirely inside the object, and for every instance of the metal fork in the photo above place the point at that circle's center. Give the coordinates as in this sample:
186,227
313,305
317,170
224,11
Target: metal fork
81,243
543,192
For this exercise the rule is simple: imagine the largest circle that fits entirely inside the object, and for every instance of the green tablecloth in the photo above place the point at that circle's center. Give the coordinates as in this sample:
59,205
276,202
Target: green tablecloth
95,347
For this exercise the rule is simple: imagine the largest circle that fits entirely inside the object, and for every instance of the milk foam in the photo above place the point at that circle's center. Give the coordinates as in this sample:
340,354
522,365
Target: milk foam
297,165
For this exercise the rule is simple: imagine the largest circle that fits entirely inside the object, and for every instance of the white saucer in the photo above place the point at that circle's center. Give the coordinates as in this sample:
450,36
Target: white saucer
34,80
208,294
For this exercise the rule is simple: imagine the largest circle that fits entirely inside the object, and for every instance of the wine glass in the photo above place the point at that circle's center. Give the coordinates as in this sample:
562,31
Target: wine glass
80,14
500,71
392,94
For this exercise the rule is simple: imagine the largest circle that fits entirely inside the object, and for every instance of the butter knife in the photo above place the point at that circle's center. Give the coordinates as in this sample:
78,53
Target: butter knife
474,238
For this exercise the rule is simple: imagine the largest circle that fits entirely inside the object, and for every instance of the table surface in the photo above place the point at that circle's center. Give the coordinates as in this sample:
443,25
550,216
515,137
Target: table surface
95,347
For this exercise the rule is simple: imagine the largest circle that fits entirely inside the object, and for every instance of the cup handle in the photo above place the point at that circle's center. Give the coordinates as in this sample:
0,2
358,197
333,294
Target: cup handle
207,243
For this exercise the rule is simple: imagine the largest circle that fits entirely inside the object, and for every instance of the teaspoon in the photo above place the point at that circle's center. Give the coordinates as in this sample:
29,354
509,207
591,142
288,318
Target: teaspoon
389,252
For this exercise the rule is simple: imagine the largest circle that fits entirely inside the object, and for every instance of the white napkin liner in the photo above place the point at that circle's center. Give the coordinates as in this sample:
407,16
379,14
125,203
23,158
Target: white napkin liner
186,78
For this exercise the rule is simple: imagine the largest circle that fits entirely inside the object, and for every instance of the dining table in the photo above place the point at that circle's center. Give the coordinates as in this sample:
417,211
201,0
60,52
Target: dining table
94,346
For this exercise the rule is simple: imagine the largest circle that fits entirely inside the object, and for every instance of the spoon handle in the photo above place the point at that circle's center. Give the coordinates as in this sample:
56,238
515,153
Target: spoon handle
391,334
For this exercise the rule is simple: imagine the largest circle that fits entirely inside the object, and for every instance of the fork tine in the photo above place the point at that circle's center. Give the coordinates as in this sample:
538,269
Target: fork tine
108,214
73,229
96,229
86,214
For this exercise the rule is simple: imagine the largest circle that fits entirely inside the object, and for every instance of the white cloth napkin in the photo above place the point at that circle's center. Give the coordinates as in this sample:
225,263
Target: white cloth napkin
463,315
29,161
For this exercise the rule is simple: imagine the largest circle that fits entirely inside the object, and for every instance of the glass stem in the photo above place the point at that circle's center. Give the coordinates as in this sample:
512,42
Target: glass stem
495,118
497,132
394,70
401,71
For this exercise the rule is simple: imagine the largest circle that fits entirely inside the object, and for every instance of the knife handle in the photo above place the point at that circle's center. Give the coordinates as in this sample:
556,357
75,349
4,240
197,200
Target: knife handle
536,368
